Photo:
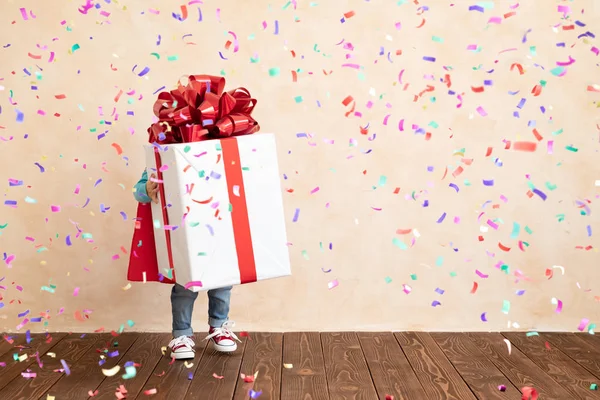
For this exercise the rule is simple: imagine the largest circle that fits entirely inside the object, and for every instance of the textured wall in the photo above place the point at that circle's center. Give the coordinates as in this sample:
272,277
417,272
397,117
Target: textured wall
383,185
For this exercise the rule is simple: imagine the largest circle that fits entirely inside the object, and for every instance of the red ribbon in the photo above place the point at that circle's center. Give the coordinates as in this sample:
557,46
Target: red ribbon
200,111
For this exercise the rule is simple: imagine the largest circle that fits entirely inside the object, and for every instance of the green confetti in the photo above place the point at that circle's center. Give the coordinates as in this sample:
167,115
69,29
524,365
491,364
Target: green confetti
30,200
382,180
388,279
274,71
505,269
439,261
130,323
543,83
186,149
506,306
173,58
121,328
532,50
201,173
434,124
550,186
453,274
557,71
437,39
298,99
591,328
156,223
254,60
139,244
75,47
399,243
413,277
4,226
48,289
245,168
87,236
528,230
561,217
155,55
594,386
530,334
558,132
305,255
488,5
194,224
573,149
515,231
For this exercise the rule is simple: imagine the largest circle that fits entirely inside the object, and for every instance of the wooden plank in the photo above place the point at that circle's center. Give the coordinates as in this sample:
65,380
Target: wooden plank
146,351
389,367
586,355
171,380
263,356
205,385
86,374
40,343
306,379
517,367
477,371
436,374
5,345
571,376
346,369
71,349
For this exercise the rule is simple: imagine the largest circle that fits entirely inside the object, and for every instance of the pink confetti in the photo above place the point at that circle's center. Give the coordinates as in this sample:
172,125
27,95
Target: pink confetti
24,14
315,190
583,324
55,208
76,291
559,306
333,283
193,283
150,392
481,111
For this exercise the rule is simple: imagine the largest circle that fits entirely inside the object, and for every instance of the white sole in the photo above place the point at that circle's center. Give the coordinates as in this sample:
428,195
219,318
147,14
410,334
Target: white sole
224,349
183,355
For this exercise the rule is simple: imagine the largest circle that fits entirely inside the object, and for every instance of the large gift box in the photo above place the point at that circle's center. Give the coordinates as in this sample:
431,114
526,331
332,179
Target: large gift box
219,220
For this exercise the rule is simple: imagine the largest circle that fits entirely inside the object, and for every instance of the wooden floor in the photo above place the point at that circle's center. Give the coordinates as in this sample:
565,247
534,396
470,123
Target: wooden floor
315,366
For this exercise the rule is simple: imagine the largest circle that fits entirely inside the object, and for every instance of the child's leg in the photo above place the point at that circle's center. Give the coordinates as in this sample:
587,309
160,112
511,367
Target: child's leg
218,306
182,305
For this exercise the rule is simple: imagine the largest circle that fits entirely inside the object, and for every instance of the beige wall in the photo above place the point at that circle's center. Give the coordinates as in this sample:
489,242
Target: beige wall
363,253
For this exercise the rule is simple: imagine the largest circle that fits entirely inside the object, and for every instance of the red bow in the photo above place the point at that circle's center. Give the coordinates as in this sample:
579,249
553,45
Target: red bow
200,111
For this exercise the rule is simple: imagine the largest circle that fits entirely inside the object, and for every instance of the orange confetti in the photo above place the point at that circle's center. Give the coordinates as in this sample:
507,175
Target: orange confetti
118,96
403,231
347,101
184,12
503,247
349,14
457,171
510,14
537,135
78,316
478,89
593,88
203,201
422,23
294,76
475,286
517,66
568,27
525,146
537,90
60,96
34,56
118,148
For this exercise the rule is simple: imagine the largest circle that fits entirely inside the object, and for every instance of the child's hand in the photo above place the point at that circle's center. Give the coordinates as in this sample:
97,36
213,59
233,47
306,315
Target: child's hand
152,189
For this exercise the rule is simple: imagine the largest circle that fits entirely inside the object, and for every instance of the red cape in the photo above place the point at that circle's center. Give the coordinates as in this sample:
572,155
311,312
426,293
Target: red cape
142,257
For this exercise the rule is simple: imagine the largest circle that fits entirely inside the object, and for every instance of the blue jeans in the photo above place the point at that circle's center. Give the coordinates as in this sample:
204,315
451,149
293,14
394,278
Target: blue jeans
182,305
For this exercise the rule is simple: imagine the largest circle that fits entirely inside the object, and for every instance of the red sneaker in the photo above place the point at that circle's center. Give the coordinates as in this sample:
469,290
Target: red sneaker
223,339
182,348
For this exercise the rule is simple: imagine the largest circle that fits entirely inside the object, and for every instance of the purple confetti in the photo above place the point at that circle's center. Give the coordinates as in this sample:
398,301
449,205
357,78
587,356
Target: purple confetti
97,182
123,215
254,394
436,303
144,71
521,103
10,202
211,230
24,313
439,291
199,15
430,59
540,193
589,230
87,201
520,292
42,169
440,219
476,8
66,367
488,182
113,354
483,317
20,116
426,203
190,376
215,175
68,240
156,91
452,185
296,215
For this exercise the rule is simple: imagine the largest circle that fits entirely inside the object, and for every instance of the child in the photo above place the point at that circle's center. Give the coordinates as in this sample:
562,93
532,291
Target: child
182,300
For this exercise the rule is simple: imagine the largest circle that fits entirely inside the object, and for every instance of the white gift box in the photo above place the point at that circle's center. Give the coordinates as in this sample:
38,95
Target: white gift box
220,218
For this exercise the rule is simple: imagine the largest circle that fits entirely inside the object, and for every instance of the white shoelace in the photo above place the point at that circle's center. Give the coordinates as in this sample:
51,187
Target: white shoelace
181,340
224,330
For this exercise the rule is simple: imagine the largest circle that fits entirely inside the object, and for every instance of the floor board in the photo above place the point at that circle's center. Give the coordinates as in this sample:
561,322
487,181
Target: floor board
571,376
305,378
348,375
482,376
305,366
517,367
389,367
40,343
86,374
435,372
226,367
262,356
587,355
